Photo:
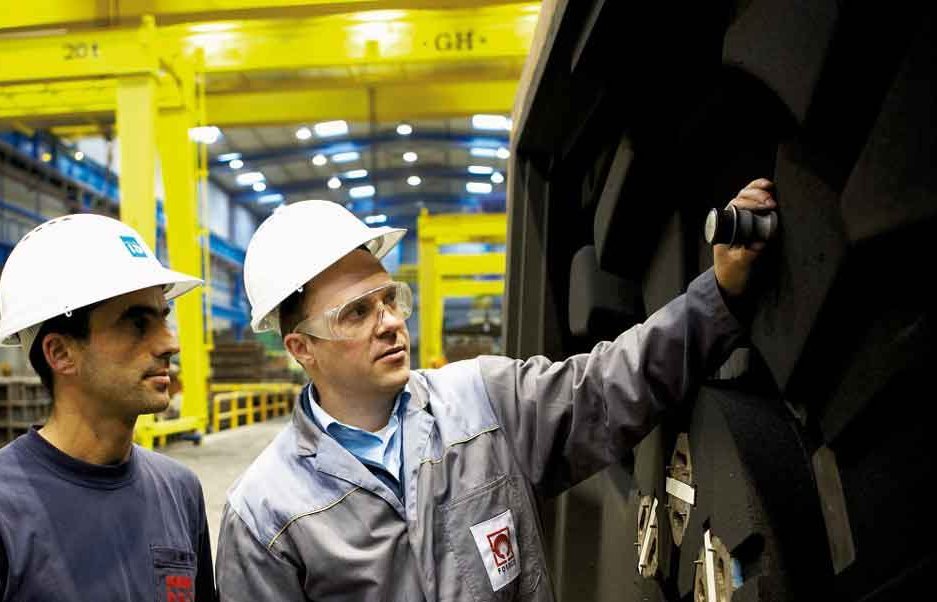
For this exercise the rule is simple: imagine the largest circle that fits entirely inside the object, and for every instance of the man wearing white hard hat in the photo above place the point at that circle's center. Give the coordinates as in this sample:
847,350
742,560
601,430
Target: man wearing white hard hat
84,513
397,485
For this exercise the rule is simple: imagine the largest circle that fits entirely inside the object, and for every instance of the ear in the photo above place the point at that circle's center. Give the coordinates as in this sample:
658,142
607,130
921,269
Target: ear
61,353
301,348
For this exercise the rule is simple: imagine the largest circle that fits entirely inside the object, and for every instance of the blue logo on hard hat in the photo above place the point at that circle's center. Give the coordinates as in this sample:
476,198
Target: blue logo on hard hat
133,245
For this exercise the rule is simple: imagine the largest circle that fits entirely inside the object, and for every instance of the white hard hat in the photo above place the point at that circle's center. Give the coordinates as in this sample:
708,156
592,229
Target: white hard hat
298,242
73,261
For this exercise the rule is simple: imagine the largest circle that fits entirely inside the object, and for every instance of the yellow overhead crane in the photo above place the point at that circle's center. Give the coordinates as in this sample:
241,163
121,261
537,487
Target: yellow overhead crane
380,65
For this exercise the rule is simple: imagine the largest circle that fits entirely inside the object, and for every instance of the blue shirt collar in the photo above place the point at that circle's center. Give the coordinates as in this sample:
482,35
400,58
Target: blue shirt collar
339,430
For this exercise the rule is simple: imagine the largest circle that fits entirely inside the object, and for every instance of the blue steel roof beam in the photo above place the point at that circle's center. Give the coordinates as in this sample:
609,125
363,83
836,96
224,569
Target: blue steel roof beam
380,175
361,143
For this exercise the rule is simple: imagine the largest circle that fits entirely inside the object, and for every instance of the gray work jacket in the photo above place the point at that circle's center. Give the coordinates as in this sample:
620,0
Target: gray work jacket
481,438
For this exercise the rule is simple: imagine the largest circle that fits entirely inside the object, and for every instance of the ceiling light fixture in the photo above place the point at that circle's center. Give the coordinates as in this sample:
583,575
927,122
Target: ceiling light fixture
328,129
249,177
478,187
361,192
345,157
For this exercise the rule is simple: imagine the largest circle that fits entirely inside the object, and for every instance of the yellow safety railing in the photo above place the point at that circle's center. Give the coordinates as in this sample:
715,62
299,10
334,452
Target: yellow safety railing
239,404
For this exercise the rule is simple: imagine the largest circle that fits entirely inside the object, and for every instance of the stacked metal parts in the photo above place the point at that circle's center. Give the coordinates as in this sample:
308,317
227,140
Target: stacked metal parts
247,362
24,403
794,473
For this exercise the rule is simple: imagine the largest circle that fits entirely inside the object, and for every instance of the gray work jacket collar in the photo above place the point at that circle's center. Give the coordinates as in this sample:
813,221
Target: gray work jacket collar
329,457
310,437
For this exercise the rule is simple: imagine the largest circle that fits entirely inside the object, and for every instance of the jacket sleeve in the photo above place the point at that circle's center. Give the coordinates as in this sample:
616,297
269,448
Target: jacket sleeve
568,420
247,570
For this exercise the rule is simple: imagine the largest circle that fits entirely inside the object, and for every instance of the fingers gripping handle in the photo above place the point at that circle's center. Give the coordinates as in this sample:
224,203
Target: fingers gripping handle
739,227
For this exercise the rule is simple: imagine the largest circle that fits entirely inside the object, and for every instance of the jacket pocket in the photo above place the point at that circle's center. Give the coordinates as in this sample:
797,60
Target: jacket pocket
491,533
174,570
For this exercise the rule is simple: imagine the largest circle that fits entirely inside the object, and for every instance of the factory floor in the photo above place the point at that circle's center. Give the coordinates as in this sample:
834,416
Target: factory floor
220,460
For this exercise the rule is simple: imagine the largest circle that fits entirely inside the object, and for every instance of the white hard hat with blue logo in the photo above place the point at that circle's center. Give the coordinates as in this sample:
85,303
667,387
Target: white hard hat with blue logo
71,262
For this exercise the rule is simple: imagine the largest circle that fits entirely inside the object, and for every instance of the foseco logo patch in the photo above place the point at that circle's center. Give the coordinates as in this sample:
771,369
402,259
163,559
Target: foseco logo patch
496,541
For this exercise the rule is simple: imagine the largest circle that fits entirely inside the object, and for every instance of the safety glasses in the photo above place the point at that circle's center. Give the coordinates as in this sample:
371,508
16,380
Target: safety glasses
358,317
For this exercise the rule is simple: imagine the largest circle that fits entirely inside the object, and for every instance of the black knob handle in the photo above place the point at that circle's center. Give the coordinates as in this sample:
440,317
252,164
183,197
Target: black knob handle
739,227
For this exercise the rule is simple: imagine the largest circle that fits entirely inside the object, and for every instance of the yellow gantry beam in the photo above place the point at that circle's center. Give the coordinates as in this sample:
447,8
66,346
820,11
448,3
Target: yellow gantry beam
411,37
394,37
52,13
391,102
454,275
384,103
98,53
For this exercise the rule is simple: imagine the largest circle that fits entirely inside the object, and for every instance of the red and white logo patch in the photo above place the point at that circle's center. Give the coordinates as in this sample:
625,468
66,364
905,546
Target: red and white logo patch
179,588
497,544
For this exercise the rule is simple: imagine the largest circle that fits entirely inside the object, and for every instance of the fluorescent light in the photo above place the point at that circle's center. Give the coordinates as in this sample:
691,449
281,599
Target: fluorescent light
361,192
497,178
503,153
478,187
356,174
404,129
259,186
376,219
334,183
481,170
236,164
270,198
491,122
327,129
488,153
319,160
410,157
414,180
249,177
228,157
79,155
345,157
303,133
206,134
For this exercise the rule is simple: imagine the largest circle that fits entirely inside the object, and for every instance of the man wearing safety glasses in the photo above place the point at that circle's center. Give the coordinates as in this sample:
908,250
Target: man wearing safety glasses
397,485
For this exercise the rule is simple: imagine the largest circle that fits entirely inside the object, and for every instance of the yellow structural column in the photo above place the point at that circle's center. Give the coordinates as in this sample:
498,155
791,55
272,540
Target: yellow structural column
183,236
136,123
431,302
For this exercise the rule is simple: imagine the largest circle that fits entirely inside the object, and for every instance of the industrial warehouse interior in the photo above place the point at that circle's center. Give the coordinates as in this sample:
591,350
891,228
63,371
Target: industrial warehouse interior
476,300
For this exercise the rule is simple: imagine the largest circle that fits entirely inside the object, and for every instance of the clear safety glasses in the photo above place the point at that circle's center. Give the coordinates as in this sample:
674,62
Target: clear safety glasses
358,317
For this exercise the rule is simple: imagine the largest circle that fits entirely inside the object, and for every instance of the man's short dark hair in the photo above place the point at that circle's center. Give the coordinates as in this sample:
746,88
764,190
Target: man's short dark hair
77,326
291,311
